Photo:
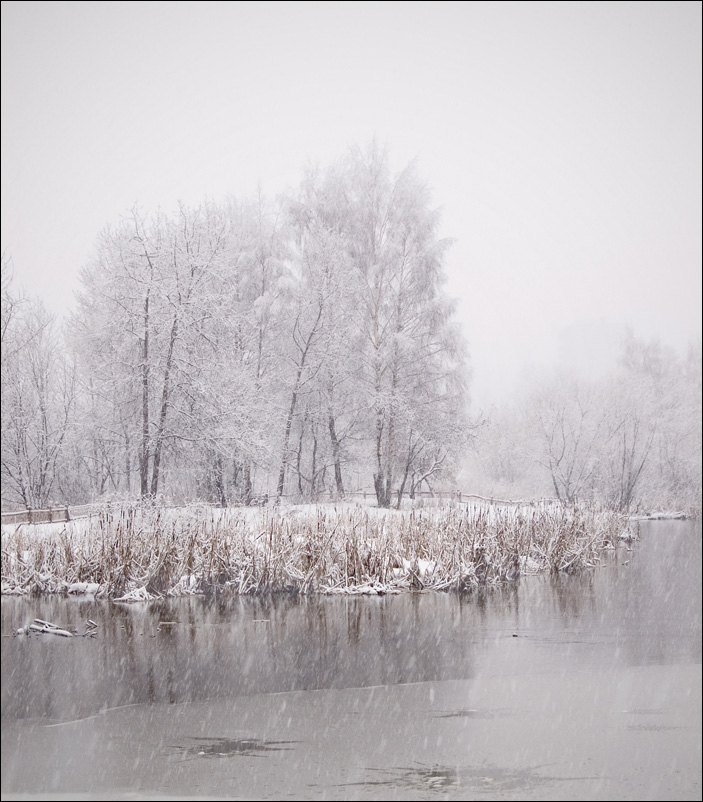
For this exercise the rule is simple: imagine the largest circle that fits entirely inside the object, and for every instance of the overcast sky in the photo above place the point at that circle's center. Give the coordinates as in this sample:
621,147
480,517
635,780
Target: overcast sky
562,140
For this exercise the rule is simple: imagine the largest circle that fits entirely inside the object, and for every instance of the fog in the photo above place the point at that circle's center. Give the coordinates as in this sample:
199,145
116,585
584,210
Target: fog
562,142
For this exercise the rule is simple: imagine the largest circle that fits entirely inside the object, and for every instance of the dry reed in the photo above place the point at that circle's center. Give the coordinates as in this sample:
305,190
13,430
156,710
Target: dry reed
137,553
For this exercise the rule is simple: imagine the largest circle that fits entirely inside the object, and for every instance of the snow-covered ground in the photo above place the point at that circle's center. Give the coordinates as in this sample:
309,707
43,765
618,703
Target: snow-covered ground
135,553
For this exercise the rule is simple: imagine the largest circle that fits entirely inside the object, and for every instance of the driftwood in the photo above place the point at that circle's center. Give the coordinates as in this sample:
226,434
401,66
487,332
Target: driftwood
46,627
51,629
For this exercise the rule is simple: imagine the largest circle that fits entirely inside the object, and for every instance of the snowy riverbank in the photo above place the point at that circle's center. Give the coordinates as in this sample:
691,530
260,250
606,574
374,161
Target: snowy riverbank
134,554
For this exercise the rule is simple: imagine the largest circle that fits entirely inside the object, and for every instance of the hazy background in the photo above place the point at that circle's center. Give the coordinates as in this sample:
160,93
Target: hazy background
563,141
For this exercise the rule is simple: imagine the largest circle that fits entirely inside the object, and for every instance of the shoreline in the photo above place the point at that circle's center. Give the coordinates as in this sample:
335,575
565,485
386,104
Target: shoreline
136,554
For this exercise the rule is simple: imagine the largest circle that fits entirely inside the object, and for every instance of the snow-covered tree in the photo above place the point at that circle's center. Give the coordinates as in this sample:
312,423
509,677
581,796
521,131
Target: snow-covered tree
38,398
413,357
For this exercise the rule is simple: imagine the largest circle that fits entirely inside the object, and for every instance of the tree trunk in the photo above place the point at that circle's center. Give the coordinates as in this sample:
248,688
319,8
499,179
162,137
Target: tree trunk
313,470
144,454
389,458
247,484
127,463
293,401
335,456
401,489
165,399
379,478
220,481
299,459
408,464
286,439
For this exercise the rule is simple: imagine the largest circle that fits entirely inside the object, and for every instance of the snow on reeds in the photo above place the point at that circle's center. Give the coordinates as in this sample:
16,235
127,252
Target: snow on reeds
137,553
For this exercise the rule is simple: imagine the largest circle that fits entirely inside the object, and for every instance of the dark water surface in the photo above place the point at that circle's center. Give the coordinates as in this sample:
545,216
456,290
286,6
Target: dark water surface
583,687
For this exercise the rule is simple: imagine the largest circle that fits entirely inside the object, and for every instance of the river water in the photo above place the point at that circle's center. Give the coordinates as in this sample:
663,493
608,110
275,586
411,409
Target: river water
575,687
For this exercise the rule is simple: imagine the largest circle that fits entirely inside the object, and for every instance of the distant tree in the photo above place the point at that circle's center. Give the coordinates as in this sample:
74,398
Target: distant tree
570,430
657,397
633,437
38,401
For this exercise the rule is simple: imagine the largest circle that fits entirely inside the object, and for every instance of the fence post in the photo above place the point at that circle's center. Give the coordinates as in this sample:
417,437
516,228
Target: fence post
67,516
51,515
29,515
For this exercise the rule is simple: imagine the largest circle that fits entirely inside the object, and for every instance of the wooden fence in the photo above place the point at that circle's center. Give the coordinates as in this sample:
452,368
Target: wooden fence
59,514
53,515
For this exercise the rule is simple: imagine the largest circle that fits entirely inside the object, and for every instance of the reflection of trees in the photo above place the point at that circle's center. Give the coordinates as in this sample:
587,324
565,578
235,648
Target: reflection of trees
410,638
353,611
224,647
572,595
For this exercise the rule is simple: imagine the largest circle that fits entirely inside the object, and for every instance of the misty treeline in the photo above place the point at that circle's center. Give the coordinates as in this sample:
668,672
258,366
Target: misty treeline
630,439
305,348
300,347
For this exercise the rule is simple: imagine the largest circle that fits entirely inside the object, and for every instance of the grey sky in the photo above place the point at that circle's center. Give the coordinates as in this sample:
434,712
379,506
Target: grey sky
563,141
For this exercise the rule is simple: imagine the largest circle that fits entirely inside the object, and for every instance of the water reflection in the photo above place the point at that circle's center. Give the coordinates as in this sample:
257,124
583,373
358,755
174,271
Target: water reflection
191,649
471,694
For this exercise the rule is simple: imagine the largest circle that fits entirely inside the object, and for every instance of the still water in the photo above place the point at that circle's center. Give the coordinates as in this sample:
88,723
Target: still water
576,687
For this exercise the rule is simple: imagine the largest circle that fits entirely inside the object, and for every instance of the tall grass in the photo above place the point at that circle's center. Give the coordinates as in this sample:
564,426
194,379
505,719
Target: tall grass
136,552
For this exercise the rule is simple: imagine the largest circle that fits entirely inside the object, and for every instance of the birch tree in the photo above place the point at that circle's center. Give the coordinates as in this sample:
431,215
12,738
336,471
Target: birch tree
325,273
413,354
